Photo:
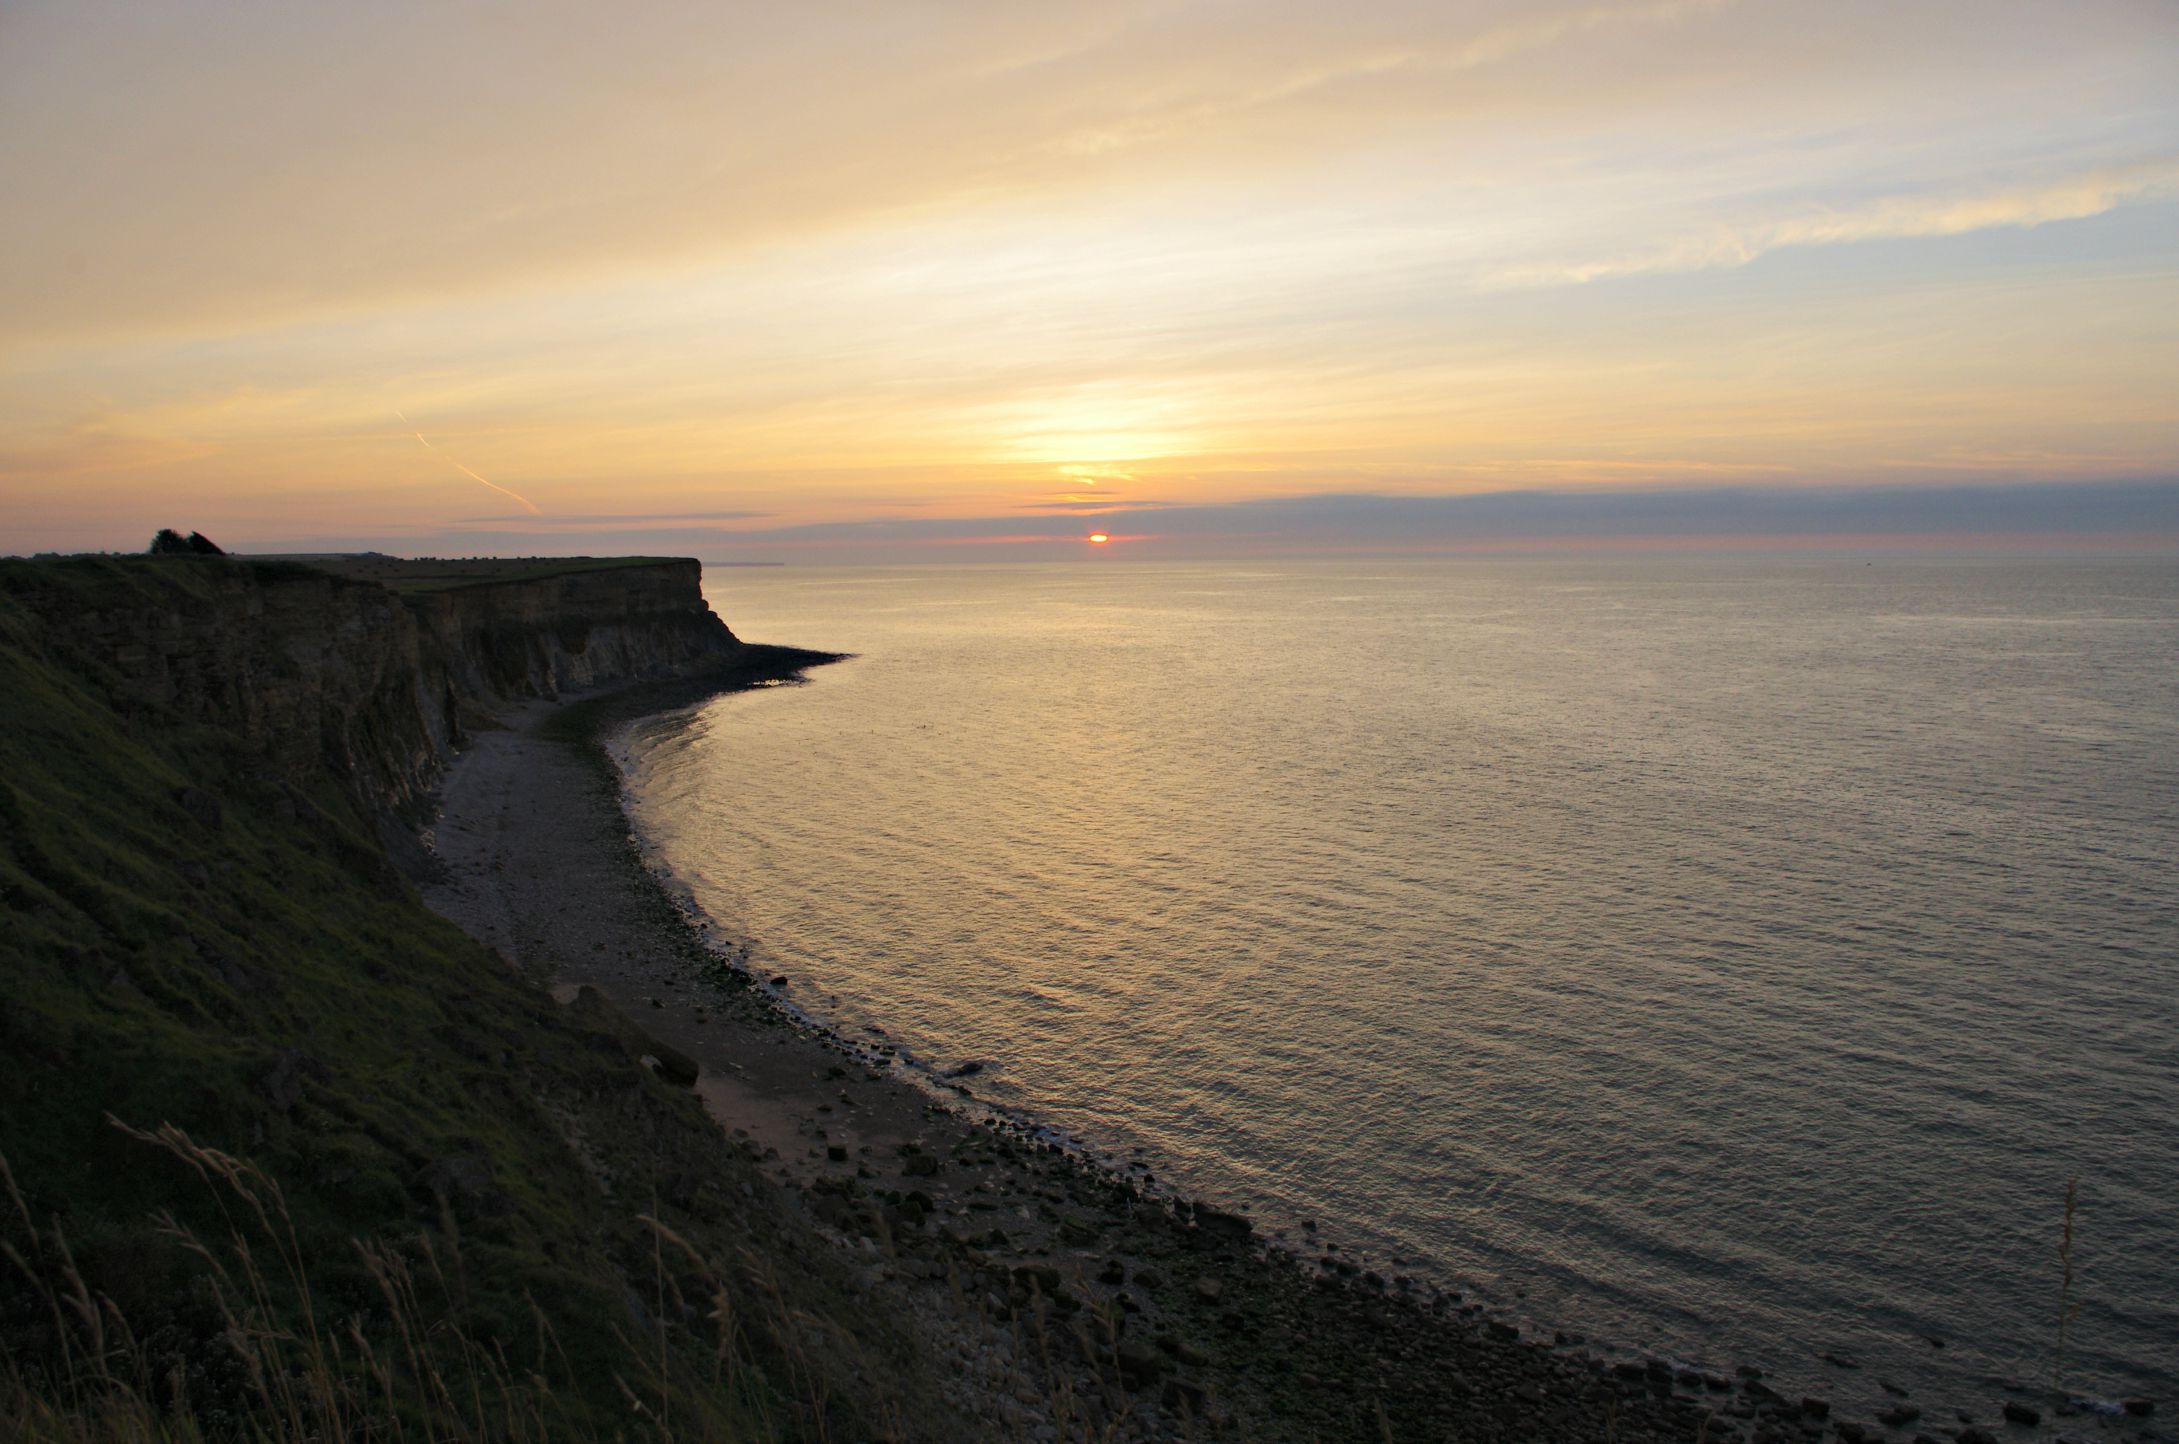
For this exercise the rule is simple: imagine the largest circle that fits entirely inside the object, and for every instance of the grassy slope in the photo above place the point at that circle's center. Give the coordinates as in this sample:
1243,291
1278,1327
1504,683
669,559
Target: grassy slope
189,941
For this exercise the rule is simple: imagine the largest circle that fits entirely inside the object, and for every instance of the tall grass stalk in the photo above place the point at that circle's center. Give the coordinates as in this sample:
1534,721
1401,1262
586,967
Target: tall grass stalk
2067,1309
413,1374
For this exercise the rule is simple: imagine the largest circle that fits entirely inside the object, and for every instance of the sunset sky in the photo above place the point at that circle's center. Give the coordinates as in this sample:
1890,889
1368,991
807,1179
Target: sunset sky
938,280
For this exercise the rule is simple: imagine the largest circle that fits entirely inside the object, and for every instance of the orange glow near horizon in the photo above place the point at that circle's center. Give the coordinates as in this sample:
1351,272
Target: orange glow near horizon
1100,538
995,271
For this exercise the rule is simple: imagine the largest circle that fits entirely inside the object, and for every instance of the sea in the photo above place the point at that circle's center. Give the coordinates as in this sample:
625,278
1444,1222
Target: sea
1735,960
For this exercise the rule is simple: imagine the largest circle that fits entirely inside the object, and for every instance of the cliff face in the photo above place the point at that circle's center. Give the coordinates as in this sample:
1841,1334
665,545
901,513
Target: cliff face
314,669
539,638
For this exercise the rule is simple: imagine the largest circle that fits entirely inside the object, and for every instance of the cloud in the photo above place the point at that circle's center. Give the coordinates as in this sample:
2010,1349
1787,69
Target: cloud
2139,515
2145,508
204,173
2149,507
743,266
1099,504
611,520
1491,45
1889,218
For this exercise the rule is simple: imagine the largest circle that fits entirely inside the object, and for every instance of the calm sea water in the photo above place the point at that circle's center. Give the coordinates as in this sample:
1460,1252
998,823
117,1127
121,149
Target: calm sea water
1732,960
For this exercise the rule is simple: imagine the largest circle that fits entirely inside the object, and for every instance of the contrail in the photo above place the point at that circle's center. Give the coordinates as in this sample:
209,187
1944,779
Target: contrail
527,504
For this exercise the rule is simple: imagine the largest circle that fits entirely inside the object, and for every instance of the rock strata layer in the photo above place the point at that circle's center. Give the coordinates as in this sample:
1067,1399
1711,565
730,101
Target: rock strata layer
374,681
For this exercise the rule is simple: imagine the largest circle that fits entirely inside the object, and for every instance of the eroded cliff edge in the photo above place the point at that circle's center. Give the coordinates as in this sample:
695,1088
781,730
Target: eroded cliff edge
373,669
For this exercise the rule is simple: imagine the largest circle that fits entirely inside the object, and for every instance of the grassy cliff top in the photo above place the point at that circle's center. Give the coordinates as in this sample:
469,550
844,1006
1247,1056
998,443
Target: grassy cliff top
106,576
438,574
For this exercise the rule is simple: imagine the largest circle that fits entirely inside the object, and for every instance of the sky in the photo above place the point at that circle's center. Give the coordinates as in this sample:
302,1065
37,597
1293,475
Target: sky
944,280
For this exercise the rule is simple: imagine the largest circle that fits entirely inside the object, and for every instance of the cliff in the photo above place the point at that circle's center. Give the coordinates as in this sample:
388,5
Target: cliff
572,630
372,669
271,1131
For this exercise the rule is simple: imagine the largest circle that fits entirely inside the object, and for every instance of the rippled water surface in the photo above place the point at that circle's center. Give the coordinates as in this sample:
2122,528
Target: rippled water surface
1733,960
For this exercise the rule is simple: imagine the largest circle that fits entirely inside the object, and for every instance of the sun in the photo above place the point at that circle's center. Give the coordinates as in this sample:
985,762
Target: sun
1099,537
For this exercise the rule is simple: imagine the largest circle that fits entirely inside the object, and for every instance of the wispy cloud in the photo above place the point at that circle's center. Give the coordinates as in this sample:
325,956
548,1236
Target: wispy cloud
1492,44
609,520
1099,504
1887,218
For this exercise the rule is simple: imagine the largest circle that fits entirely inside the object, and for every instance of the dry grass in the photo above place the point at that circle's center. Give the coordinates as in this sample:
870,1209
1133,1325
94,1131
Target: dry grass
408,1374
2067,1309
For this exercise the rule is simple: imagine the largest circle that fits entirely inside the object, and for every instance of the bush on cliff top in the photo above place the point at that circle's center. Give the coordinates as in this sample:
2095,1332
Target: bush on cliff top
171,543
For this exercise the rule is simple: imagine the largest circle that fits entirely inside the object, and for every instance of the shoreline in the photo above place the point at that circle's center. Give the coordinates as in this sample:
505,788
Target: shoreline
992,1226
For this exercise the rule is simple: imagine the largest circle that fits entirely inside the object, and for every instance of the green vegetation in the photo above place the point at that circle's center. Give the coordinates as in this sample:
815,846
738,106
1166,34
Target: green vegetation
467,1212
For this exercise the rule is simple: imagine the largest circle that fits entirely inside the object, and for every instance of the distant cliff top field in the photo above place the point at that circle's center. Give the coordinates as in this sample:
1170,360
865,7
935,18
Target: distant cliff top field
435,574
